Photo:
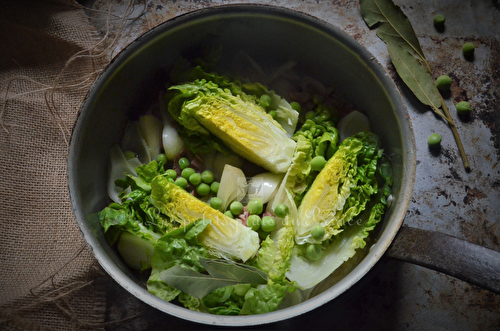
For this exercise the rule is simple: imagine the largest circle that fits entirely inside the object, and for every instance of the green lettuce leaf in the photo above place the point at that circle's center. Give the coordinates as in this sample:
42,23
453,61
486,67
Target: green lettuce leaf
179,247
275,252
265,299
224,236
354,233
341,248
223,301
206,110
341,190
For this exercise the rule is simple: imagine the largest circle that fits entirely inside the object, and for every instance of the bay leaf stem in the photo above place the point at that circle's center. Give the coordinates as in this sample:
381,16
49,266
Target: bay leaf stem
454,130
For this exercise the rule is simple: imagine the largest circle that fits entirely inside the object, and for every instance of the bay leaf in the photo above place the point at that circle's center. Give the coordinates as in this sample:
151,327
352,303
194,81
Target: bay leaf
192,282
416,77
395,27
221,273
239,272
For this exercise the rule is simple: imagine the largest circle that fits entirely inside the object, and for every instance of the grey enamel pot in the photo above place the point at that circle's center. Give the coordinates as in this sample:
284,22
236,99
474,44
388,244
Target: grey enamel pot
271,36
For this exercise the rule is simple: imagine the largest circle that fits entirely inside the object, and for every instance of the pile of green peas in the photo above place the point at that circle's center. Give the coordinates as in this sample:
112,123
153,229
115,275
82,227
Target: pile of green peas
257,221
203,183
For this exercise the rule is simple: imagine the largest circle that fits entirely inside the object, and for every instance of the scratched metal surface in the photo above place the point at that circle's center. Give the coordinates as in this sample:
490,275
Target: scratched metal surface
395,295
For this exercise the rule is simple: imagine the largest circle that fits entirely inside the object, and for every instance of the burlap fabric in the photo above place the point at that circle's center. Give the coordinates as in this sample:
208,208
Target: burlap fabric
48,59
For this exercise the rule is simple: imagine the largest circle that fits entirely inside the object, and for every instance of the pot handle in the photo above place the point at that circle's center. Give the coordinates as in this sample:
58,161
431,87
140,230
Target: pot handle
456,257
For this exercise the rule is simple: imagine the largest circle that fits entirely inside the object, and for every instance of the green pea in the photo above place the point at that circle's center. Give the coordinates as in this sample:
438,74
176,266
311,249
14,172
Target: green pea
186,172
181,182
439,20
203,189
228,214
129,155
236,207
268,223
253,222
216,203
161,158
214,187
443,83
434,140
171,173
273,114
255,206
318,232
318,163
183,163
296,106
310,115
265,100
195,179
468,49
207,176
171,180
463,108
281,210
314,252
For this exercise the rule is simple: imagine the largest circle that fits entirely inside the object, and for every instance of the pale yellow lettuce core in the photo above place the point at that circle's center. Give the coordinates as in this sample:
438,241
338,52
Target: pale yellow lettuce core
324,202
224,236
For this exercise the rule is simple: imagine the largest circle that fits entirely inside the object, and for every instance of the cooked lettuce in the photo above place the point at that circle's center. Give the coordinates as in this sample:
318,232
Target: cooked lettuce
341,190
211,113
295,180
177,248
275,252
224,236
356,202
213,263
340,249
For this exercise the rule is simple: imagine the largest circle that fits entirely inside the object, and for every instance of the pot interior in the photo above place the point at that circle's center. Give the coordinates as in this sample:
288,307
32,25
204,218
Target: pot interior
272,37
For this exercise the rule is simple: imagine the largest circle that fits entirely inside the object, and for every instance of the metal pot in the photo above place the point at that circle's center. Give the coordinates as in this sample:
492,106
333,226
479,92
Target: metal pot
271,36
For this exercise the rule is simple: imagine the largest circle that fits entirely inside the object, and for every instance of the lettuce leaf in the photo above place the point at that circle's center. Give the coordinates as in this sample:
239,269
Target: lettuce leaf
342,189
265,299
376,172
275,252
179,247
341,248
208,111
224,236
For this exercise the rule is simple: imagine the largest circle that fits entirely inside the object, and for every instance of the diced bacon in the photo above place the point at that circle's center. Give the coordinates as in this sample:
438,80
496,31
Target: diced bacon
244,216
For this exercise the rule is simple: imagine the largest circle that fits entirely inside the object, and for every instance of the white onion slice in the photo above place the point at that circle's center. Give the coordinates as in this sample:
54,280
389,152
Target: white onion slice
353,123
263,186
150,129
172,143
120,166
232,186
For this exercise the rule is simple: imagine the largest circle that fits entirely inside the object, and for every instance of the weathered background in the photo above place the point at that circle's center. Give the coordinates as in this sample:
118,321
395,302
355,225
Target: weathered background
395,295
